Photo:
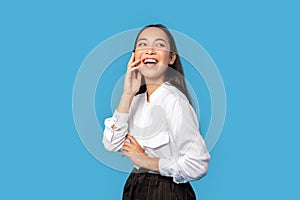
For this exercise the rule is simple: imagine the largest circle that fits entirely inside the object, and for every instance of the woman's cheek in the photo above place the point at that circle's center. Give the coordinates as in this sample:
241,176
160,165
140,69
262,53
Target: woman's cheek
137,56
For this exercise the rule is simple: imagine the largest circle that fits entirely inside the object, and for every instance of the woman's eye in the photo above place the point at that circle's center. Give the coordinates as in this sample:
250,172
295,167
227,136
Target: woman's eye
142,44
160,45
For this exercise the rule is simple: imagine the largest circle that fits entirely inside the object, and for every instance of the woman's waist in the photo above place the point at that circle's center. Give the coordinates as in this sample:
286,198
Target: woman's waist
143,173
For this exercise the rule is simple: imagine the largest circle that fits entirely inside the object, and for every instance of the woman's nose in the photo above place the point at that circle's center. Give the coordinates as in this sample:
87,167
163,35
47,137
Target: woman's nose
150,50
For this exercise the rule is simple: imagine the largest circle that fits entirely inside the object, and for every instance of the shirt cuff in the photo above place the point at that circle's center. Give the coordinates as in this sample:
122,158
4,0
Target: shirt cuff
119,119
168,167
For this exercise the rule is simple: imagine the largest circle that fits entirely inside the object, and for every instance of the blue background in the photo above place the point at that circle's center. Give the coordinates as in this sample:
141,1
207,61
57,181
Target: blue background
255,45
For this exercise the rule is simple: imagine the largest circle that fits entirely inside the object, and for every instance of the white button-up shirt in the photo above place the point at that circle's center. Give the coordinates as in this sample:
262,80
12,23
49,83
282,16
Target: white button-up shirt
166,128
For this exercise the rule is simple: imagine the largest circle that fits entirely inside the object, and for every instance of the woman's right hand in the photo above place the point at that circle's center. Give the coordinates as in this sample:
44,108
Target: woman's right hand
132,83
132,80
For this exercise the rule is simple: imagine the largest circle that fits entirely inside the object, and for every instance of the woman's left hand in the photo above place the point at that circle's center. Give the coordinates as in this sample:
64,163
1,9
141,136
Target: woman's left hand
134,151
137,155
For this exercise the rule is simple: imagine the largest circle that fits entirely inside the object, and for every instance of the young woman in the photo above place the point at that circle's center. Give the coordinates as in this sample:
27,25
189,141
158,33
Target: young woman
155,124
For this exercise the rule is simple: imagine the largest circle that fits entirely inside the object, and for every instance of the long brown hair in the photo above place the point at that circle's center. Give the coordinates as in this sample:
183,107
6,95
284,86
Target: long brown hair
174,74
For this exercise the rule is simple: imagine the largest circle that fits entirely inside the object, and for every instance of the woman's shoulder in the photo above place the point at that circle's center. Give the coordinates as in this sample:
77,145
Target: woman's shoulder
174,101
174,95
177,105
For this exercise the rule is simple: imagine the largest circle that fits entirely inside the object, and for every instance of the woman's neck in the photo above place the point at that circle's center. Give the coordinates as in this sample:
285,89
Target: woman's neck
151,87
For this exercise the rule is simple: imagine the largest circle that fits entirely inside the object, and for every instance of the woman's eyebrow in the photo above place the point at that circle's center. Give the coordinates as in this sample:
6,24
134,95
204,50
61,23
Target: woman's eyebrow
158,39
142,39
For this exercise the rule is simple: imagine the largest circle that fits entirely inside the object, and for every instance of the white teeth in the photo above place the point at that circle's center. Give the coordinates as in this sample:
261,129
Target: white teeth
150,61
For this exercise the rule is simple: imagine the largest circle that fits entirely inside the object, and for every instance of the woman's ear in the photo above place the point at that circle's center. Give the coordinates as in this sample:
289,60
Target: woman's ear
173,58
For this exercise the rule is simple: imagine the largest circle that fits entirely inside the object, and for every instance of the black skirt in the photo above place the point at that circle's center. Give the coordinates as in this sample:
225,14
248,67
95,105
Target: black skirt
142,185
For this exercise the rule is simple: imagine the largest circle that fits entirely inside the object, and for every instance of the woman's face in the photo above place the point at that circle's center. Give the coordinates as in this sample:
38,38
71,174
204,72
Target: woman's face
153,50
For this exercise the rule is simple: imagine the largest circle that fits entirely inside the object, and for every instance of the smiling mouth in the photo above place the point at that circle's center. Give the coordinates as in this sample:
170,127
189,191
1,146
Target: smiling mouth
150,61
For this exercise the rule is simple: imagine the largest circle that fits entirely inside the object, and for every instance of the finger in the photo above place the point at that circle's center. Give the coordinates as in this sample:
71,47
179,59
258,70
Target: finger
131,72
131,58
126,154
133,68
133,64
130,69
125,148
139,76
127,144
132,139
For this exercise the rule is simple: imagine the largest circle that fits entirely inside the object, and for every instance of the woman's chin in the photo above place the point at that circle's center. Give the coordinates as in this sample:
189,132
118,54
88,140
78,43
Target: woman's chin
152,74
152,70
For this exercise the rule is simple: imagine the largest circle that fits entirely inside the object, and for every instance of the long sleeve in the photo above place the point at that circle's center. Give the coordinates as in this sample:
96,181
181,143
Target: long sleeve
115,131
190,159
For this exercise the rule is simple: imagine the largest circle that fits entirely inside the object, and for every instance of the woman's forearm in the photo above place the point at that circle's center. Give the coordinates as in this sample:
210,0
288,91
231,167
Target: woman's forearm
124,104
152,164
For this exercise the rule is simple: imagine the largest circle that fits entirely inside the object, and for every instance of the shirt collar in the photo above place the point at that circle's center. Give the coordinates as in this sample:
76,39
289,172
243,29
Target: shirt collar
155,96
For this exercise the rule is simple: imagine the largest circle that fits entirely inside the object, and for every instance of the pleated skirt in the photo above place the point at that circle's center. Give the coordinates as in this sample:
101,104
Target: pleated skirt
149,186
